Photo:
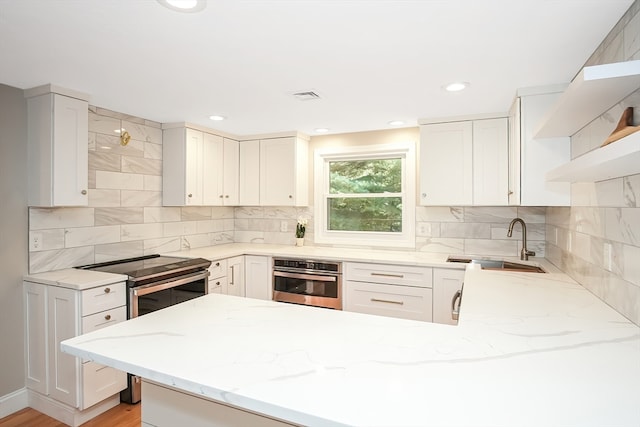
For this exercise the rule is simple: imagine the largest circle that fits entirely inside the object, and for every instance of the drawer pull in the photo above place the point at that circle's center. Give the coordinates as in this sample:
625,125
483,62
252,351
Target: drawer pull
217,264
387,301
217,283
107,290
107,317
399,276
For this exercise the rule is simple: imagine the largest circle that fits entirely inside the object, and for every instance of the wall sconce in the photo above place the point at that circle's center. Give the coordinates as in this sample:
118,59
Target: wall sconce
124,138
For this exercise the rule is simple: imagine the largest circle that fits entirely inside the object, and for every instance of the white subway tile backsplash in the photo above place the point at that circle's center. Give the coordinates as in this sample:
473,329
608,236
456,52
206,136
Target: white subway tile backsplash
88,236
152,182
487,247
490,214
141,165
60,258
45,240
162,214
120,250
117,215
439,214
141,132
174,229
440,245
140,198
111,144
103,124
47,218
632,37
141,231
631,192
195,213
466,230
161,245
119,181
152,151
104,198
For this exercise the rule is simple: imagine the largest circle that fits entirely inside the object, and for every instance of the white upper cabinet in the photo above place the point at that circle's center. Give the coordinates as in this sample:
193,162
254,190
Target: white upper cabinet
249,187
490,162
446,159
464,163
199,168
58,147
182,167
284,179
539,155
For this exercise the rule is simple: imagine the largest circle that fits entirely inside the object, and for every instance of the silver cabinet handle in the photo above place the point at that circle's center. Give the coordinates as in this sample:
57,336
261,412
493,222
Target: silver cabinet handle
107,290
190,195
107,317
226,197
83,192
399,276
232,274
455,310
221,196
387,301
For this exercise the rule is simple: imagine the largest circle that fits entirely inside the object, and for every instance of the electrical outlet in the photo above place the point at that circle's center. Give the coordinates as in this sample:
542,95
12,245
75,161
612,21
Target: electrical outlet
607,256
36,241
284,226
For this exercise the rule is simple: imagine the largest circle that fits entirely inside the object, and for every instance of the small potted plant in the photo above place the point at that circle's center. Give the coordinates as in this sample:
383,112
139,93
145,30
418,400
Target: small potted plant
301,227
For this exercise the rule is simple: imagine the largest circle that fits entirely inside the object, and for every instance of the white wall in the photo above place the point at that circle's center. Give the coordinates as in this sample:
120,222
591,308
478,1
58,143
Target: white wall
13,236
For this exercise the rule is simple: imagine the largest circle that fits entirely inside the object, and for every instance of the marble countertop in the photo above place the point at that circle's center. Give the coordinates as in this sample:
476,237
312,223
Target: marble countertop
425,259
75,279
529,350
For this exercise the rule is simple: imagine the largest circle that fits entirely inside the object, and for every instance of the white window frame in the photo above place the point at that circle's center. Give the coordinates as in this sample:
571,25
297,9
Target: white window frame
406,152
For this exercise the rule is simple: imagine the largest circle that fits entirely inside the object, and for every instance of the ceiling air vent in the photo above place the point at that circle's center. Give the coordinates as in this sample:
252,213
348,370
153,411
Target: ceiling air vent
306,95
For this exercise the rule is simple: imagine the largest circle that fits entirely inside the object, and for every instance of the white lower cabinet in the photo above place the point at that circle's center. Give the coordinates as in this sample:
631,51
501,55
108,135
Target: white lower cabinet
227,276
54,314
388,290
446,283
257,277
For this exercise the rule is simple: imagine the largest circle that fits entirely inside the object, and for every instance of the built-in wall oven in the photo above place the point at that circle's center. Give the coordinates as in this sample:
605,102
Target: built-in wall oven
308,282
156,282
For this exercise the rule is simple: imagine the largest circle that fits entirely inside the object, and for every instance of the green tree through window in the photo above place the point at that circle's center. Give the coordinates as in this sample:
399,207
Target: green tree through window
365,195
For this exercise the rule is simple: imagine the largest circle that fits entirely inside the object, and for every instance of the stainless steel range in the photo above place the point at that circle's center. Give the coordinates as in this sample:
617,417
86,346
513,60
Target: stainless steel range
155,282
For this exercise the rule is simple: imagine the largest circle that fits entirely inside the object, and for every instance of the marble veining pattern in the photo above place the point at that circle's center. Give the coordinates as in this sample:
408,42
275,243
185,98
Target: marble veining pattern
524,342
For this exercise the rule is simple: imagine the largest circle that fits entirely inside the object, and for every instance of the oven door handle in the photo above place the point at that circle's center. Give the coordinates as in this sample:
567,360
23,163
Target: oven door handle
319,278
182,280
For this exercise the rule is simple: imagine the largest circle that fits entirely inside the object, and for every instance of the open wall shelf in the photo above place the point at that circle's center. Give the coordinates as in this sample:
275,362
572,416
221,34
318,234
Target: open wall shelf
620,158
595,90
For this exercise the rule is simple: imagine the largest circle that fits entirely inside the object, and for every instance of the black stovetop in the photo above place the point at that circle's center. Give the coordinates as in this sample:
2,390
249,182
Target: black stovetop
149,265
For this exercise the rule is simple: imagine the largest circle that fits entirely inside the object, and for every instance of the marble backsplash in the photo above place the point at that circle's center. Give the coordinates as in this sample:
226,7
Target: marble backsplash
597,240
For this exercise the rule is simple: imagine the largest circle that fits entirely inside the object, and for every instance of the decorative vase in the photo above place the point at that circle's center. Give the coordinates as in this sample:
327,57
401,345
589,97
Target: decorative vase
299,241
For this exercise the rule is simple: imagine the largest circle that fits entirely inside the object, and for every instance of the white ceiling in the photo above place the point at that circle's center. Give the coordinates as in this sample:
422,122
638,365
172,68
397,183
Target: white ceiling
371,61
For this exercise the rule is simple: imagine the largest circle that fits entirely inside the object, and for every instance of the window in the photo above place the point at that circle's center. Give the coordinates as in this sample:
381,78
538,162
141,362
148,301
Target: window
365,195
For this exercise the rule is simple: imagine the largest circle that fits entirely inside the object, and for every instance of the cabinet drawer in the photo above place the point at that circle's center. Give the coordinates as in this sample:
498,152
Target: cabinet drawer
103,319
405,275
218,268
103,298
405,302
100,382
218,285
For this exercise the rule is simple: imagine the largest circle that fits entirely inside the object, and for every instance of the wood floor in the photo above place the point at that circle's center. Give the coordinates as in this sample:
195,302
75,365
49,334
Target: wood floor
123,415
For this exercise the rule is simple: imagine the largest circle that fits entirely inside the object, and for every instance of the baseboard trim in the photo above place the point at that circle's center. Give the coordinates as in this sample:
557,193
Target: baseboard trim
65,413
13,402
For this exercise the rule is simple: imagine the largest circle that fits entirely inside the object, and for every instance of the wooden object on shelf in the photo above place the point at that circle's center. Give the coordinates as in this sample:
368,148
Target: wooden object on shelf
625,127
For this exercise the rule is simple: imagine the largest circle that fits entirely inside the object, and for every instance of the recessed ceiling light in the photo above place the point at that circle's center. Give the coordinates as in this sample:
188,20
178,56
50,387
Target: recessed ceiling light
184,5
322,130
456,86
396,123
217,118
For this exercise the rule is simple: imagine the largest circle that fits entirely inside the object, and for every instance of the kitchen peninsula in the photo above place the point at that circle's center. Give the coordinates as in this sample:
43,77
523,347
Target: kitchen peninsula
529,350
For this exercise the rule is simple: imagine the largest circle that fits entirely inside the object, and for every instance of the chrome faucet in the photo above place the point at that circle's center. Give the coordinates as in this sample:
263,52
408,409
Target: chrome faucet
524,253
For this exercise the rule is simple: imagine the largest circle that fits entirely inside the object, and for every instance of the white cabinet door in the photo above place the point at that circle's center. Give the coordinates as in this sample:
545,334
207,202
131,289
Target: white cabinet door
235,276
35,309
249,175
490,162
182,163
257,277
283,172
212,173
539,156
277,172
64,323
446,282
446,159
58,147
231,176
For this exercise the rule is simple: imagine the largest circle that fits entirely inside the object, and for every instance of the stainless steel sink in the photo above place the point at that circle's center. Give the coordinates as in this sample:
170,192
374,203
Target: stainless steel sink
492,264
